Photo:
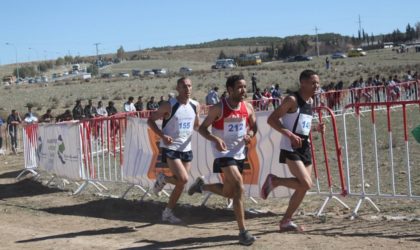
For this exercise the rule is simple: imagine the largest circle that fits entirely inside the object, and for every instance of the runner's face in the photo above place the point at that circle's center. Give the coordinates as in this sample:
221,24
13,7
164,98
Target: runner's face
184,88
239,91
310,85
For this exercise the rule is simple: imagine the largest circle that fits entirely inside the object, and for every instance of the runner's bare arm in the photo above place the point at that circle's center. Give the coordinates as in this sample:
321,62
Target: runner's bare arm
288,104
197,118
215,112
162,112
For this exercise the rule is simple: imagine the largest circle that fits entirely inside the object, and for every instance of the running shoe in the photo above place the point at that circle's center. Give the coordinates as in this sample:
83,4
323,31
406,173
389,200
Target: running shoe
246,238
289,225
267,186
168,216
197,186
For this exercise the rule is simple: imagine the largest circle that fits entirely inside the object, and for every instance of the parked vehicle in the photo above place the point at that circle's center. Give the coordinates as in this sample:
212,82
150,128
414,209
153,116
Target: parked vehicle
224,64
107,75
148,72
356,52
136,72
299,58
159,72
245,60
185,70
338,55
124,74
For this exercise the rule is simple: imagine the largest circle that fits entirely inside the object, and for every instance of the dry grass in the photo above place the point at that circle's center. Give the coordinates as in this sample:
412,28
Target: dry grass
61,95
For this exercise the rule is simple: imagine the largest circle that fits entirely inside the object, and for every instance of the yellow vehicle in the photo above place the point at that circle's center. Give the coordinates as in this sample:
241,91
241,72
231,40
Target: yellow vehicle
246,60
356,52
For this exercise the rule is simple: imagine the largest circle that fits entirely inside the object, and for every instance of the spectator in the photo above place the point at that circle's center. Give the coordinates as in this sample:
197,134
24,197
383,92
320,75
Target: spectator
276,94
13,120
151,104
111,110
266,95
256,99
90,110
78,113
139,104
129,105
101,110
327,63
47,117
254,82
171,97
162,100
212,97
66,116
224,95
378,86
30,117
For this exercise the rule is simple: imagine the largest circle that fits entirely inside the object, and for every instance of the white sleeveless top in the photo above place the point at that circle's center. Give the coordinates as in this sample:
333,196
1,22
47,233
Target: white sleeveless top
299,123
180,125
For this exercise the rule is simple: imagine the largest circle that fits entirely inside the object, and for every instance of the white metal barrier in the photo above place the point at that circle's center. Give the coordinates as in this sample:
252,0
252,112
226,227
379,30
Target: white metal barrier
384,161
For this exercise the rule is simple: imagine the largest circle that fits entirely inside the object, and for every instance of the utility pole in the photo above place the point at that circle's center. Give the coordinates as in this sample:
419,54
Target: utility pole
317,46
97,50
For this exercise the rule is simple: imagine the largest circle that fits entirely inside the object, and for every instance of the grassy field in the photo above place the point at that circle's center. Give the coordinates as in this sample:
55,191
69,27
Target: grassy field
62,95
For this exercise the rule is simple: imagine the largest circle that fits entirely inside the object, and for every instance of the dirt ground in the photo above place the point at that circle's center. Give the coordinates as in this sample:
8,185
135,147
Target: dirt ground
34,216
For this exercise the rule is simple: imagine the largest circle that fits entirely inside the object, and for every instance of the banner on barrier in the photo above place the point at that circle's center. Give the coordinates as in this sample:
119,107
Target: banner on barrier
142,157
59,149
30,146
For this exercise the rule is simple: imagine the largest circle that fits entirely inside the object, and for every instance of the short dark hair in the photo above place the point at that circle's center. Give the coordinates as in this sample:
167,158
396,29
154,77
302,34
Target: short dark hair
306,74
231,80
131,98
180,80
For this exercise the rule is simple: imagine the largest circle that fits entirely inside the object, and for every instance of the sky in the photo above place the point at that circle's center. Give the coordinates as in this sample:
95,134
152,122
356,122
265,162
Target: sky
48,29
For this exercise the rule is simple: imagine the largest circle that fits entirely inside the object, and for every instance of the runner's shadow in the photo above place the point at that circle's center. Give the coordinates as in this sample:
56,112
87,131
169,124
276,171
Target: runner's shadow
11,174
394,230
190,243
146,211
24,188
112,230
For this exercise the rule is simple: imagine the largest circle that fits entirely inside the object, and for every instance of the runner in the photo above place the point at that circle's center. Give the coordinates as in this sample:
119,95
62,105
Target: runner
293,119
180,117
233,125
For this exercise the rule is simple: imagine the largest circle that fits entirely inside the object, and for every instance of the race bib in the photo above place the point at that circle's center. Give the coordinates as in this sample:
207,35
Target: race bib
185,127
304,124
234,128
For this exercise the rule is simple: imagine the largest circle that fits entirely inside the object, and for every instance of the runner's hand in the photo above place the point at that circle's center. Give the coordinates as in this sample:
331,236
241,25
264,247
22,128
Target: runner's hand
221,145
247,139
167,140
296,141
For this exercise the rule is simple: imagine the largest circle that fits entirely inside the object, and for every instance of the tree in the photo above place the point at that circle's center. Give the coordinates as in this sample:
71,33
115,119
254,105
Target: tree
60,61
68,59
418,30
93,69
222,55
25,71
121,53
